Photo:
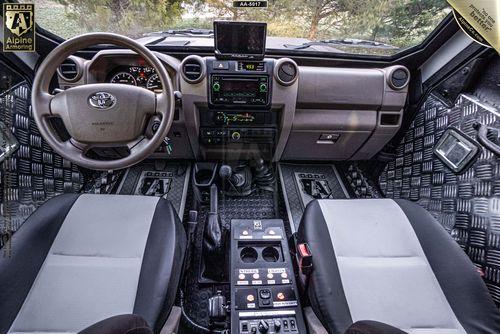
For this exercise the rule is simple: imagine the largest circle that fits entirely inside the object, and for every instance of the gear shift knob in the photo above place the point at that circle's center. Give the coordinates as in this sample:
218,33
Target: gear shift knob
259,164
225,172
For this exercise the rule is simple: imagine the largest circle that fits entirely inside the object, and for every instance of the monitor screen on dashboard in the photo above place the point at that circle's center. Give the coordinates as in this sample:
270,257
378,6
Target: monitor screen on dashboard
243,40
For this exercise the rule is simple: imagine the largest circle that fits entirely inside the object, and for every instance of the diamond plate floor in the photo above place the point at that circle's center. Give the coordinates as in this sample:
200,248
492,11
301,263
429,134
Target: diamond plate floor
467,205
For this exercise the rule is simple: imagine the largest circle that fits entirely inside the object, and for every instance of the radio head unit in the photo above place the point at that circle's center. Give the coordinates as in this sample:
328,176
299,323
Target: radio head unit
250,90
240,40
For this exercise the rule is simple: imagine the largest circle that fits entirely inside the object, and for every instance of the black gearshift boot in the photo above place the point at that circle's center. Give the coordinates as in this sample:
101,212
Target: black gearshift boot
237,183
213,241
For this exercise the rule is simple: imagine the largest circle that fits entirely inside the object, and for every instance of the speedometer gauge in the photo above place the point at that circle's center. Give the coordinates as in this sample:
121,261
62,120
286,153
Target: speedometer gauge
124,78
154,82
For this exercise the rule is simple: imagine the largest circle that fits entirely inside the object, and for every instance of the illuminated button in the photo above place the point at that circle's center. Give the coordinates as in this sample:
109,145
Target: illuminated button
250,298
263,87
245,232
256,276
216,86
241,276
270,276
284,275
280,295
236,135
271,232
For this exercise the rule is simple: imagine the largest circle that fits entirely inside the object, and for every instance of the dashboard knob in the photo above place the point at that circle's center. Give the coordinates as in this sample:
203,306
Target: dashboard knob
263,326
236,135
216,87
220,118
225,172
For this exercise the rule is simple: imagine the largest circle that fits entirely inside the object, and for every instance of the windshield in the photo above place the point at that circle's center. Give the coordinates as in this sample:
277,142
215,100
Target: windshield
378,27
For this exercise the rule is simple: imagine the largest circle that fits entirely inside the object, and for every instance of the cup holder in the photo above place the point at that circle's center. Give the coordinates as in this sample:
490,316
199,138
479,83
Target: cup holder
270,254
248,255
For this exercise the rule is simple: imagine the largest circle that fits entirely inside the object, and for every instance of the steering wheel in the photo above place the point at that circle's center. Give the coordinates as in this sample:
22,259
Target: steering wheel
105,115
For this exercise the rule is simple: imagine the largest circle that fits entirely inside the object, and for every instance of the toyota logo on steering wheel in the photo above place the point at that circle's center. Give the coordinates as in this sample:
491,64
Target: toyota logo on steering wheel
102,100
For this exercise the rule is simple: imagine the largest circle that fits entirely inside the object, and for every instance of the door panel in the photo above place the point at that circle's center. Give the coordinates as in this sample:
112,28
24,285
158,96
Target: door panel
34,173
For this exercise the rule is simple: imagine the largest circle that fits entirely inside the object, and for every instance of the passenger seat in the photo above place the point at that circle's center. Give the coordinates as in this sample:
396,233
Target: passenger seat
391,261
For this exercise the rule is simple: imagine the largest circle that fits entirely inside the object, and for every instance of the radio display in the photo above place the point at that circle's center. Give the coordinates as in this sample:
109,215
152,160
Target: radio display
227,90
240,86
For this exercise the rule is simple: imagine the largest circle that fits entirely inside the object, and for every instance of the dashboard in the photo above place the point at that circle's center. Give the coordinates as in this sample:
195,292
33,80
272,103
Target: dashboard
271,107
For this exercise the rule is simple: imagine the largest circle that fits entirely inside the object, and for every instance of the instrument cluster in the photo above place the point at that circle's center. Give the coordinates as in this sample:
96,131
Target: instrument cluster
141,76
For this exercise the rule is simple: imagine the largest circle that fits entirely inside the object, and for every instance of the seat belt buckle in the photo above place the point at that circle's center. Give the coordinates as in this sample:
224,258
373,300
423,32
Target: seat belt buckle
305,259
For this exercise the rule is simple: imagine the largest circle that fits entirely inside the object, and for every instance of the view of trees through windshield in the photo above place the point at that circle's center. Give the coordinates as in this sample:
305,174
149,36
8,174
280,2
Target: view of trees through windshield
400,23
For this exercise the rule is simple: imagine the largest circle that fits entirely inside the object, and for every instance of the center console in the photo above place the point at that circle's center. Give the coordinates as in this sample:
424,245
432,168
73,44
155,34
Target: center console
263,289
239,91
238,104
239,95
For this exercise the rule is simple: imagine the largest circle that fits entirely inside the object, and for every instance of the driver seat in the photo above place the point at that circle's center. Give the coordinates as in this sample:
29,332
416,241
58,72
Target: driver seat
79,259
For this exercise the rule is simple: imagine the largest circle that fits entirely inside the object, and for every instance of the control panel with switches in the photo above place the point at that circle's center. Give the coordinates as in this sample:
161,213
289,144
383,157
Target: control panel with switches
270,325
226,127
263,289
237,135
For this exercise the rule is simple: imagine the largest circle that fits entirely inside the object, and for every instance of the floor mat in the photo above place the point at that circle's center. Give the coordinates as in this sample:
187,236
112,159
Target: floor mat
294,178
467,205
175,189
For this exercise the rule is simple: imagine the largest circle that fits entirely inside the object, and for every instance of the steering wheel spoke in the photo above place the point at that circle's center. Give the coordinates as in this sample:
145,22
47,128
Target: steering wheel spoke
73,148
137,144
161,104
79,145
45,100
58,105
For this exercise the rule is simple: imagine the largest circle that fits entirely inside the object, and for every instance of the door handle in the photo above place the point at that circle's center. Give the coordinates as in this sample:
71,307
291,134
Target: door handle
482,137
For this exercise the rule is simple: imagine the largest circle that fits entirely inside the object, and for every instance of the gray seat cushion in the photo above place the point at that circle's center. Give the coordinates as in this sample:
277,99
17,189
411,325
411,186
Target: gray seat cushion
80,259
390,261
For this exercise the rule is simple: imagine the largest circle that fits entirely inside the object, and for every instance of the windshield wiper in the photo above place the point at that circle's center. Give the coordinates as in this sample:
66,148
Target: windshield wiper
344,41
184,32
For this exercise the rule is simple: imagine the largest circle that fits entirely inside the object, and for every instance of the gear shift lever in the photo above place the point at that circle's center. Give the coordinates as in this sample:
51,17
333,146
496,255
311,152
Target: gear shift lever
213,248
226,174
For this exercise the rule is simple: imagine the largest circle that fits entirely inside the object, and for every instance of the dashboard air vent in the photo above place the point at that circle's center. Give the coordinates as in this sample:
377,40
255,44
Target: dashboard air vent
399,78
193,69
286,71
69,70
